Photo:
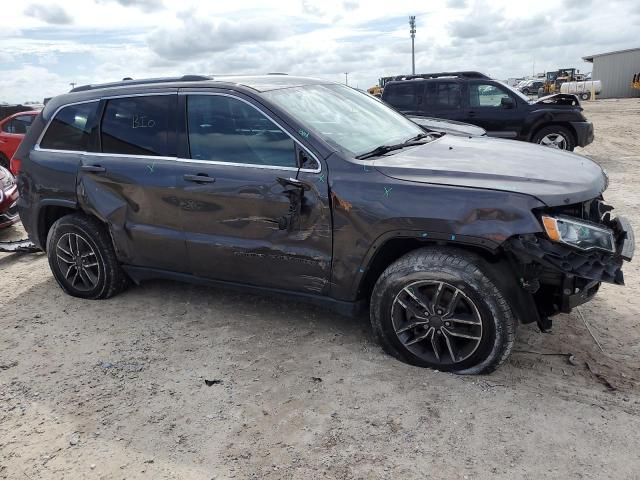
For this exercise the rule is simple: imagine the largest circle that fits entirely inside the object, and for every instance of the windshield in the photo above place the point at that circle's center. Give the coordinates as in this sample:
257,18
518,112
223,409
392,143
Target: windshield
351,121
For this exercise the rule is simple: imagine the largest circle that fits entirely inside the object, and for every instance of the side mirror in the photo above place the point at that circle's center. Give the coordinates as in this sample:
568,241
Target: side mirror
507,102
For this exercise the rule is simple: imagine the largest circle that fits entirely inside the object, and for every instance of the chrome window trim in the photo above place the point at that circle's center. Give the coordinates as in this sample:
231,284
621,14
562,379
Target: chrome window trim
179,159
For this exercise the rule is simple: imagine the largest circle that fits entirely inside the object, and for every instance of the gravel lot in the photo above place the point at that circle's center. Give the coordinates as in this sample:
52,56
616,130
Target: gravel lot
116,388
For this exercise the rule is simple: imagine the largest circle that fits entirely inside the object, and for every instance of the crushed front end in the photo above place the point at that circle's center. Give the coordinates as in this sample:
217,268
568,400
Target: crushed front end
581,246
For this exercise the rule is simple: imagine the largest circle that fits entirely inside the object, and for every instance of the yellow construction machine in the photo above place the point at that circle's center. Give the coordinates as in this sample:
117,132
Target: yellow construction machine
554,80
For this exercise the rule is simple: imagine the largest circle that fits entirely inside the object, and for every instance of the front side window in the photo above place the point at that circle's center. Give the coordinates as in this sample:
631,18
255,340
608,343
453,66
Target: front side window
483,95
137,125
351,121
71,128
443,95
225,129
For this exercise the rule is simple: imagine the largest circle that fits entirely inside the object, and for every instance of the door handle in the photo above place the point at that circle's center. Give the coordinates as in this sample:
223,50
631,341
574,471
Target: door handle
199,178
93,168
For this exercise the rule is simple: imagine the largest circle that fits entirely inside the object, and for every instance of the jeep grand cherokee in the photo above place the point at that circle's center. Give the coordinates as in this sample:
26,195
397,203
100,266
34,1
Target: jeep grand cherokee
311,189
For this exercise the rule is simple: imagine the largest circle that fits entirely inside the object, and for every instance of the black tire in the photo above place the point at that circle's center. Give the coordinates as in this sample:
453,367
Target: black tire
585,95
526,91
552,130
466,272
4,161
92,245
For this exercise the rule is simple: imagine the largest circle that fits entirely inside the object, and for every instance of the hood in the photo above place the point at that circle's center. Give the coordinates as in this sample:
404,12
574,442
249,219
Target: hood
555,177
565,99
448,126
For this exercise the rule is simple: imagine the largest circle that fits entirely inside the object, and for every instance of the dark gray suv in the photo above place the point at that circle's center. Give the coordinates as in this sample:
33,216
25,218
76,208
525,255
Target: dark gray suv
311,189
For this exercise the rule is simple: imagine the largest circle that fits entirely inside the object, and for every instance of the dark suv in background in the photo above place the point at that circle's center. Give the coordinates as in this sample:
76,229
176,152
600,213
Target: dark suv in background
311,189
555,121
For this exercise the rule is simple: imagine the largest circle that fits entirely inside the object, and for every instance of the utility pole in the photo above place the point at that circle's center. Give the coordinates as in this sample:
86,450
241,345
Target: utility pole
412,30
346,78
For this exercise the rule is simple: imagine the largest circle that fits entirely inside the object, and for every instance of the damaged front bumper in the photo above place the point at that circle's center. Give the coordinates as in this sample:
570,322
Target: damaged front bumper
561,277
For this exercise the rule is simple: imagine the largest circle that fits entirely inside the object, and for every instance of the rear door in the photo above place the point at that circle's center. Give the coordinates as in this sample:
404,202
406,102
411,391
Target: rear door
485,108
443,99
249,213
129,179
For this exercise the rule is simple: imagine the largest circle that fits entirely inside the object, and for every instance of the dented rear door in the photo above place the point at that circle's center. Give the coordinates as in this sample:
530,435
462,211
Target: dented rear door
130,183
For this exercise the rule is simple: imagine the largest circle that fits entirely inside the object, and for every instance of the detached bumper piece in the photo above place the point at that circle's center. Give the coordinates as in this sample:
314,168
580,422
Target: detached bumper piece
25,246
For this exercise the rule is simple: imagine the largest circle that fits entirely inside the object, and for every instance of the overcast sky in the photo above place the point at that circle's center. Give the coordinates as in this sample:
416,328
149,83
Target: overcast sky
48,44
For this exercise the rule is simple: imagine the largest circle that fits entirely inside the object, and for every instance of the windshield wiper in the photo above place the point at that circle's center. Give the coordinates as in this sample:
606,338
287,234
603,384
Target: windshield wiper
382,149
420,136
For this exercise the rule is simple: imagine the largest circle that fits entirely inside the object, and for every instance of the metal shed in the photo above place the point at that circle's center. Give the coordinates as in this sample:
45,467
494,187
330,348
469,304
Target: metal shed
616,70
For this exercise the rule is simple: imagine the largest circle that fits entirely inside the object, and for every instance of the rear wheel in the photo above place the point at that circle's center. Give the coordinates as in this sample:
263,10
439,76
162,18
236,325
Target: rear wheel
585,96
82,258
555,136
439,308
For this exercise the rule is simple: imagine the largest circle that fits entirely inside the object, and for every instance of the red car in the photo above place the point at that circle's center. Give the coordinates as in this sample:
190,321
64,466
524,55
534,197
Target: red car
12,131
8,198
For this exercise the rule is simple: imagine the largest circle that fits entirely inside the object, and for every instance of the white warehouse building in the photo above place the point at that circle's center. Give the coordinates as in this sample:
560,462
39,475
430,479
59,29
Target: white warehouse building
616,71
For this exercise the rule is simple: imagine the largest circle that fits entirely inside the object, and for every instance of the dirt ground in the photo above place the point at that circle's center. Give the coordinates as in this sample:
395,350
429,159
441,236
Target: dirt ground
116,388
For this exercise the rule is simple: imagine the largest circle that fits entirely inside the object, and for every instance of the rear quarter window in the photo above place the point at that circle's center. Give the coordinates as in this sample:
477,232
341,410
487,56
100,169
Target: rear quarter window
70,129
404,95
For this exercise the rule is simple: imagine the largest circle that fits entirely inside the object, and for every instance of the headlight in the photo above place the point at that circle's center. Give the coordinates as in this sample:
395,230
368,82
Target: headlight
576,233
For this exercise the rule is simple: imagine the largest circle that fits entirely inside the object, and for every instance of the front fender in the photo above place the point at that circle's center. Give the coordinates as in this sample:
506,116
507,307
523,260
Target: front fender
381,208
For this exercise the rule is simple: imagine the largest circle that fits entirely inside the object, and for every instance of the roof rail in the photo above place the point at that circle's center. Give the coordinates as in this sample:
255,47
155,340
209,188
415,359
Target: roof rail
469,74
128,81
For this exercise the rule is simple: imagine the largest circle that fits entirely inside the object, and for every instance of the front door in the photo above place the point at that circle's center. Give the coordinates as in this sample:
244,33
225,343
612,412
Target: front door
249,213
130,180
487,107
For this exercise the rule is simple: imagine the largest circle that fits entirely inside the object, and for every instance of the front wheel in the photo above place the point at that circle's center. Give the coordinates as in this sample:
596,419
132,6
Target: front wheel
585,96
555,136
439,308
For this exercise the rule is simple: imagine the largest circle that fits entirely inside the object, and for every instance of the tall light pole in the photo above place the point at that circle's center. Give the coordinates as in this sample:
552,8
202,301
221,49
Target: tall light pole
412,30
346,78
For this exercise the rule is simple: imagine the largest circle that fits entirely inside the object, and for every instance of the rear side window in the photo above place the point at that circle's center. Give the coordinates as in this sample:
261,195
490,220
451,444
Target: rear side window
70,129
443,95
404,95
137,125
226,129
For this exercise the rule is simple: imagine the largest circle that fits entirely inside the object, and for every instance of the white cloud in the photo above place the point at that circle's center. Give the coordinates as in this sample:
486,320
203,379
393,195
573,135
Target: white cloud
53,14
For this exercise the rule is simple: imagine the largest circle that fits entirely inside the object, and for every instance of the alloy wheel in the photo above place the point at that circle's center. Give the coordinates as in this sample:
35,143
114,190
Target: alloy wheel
78,262
437,322
554,140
